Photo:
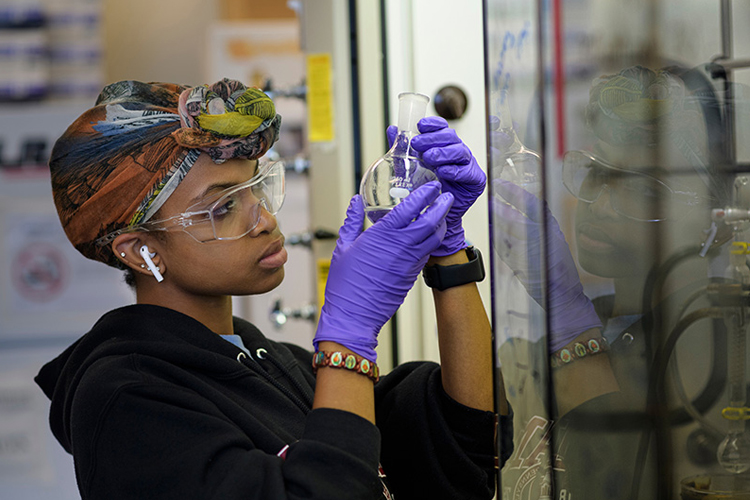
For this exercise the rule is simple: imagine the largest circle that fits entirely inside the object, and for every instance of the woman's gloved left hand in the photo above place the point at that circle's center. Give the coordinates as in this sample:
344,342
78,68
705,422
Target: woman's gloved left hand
373,270
444,153
519,243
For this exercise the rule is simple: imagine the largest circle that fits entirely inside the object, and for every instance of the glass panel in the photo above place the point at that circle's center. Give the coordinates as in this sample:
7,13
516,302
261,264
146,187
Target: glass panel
517,240
619,254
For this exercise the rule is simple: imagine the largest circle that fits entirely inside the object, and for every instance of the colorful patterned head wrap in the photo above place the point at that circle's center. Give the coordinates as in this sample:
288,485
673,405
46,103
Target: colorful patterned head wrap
117,164
627,108
640,107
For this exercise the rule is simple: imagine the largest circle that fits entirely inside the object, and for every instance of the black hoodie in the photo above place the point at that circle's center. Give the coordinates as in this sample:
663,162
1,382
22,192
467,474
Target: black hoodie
152,404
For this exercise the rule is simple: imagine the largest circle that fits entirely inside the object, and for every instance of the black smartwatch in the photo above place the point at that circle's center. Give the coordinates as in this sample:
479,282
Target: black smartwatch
443,277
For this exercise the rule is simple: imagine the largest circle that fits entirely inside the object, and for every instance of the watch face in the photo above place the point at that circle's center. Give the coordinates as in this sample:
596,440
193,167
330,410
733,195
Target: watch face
430,276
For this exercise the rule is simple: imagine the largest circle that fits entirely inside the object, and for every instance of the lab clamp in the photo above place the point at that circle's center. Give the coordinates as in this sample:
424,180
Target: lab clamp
734,451
279,314
298,164
730,305
305,239
729,299
298,91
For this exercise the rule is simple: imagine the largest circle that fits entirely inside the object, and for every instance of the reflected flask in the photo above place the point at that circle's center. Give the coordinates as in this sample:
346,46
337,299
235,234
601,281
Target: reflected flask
399,171
513,161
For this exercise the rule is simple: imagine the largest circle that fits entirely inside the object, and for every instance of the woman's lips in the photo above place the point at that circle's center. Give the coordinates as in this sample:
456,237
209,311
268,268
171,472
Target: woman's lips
275,256
594,239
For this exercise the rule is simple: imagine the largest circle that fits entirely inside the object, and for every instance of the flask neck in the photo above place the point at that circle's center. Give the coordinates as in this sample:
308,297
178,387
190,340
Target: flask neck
515,145
411,108
402,144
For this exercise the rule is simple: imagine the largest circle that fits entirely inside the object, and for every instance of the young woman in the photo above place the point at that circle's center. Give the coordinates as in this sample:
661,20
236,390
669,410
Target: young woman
173,397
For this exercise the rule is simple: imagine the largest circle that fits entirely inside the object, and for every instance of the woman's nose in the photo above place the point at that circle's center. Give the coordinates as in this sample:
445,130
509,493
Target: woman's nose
266,222
602,206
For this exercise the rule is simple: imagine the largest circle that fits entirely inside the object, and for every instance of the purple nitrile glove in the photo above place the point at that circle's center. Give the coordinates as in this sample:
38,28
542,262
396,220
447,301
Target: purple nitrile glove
373,270
444,153
518,217
500,140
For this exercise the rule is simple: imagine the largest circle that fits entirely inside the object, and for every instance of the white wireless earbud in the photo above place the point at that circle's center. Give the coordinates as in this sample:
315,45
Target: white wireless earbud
150,263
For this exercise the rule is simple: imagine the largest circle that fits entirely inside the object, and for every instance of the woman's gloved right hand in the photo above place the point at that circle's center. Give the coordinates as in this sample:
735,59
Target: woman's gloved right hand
518,242
373,270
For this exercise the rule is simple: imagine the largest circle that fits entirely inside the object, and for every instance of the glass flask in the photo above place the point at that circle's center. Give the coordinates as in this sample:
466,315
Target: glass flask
734,451
511,160
516,164
399,171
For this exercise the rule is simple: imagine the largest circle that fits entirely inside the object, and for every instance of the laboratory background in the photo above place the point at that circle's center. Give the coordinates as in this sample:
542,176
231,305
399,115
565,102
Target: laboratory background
616,141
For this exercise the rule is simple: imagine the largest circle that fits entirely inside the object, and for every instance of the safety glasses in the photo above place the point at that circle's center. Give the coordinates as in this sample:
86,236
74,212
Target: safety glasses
636,195
227,215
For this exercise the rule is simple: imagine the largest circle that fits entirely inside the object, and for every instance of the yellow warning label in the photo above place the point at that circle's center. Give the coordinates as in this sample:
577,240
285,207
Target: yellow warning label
320,97
324,265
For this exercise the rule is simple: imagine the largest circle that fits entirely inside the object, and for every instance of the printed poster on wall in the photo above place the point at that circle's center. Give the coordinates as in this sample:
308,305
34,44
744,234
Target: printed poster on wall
46,287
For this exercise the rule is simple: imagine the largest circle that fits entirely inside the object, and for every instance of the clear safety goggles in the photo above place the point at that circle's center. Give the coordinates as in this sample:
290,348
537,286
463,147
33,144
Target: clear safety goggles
636,195
227,215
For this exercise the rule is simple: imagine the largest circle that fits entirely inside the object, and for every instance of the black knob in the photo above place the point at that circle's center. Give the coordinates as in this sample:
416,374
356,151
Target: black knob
450,102
305,239
325,234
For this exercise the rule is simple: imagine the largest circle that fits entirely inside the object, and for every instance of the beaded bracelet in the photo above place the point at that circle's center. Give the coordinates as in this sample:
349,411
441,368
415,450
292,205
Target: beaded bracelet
579,350
346,361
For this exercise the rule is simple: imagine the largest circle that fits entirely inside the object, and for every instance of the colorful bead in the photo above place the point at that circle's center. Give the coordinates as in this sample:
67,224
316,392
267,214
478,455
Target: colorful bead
565,356
319,358
580,349
594,346
336,359
346,361
350,363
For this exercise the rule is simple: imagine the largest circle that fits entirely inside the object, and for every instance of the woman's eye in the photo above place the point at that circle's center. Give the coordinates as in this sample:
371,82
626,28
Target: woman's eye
646,188
594,178
224,208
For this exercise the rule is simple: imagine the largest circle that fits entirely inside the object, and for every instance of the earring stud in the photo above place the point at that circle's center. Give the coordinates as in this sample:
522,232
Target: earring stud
122,254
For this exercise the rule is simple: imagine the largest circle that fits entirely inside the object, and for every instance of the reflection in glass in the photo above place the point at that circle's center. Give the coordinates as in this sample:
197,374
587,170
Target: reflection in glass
513,161
633,194
620,247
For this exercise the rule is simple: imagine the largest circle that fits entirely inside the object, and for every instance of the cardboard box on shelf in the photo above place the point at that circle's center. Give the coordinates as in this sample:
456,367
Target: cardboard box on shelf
255,9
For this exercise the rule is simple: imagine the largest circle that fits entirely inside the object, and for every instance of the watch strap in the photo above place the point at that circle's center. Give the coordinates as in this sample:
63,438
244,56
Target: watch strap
444,277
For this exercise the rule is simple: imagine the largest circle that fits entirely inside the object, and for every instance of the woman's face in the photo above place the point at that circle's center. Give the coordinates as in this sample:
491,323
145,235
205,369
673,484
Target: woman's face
249,265
609,242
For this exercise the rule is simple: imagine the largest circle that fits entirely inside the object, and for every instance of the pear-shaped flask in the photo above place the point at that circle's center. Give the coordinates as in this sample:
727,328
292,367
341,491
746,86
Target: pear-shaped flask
512,160
399,171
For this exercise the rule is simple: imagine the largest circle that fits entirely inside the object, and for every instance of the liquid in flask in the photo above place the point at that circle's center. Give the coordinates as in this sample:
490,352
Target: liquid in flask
399,171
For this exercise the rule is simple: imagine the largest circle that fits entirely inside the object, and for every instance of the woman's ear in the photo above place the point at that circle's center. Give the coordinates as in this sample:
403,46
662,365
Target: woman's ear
127,248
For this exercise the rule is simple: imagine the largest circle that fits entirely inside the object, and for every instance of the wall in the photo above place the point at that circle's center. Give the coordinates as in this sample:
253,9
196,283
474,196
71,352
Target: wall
157,41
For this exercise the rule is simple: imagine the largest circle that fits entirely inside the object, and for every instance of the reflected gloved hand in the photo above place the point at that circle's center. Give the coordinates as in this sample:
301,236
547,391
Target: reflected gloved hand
444,153
500,140
372,270
519,216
